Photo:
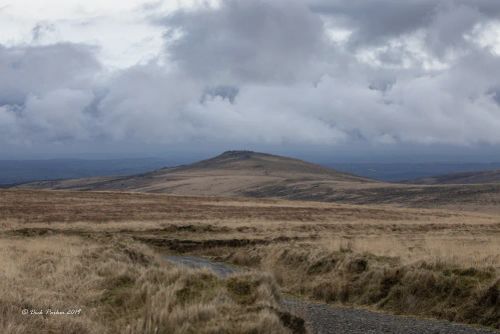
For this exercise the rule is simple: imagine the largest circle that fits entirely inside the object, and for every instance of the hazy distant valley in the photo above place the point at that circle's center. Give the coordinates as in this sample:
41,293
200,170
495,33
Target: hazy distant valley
20,171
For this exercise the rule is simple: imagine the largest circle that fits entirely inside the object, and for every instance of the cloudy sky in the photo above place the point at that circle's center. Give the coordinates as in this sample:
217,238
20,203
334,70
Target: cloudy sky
332,78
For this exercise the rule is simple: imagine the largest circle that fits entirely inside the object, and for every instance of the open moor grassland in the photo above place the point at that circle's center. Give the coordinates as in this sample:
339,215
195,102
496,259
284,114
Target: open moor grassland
98,251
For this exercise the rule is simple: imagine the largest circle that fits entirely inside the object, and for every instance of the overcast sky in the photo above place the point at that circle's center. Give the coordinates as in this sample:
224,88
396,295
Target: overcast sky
328,78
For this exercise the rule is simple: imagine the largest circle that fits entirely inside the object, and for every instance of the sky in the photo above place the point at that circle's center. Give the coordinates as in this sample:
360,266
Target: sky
333,80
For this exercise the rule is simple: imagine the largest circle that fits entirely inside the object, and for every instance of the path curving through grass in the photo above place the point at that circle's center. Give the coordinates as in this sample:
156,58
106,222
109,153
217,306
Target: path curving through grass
325,319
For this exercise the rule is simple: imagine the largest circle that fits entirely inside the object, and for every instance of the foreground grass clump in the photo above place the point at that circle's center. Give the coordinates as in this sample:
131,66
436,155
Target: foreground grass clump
440,290
121,287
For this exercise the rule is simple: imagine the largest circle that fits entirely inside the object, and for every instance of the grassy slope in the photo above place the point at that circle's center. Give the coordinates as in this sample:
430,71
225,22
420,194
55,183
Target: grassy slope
492,176
230,173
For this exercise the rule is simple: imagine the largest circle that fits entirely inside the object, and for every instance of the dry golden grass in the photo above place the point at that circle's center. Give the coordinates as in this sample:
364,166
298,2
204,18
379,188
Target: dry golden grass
467,239
464,251
436,289
120,287
455,255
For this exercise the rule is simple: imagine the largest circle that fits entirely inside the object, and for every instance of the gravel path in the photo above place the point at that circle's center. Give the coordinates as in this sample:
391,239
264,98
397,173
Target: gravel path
326,319
219,268
323,319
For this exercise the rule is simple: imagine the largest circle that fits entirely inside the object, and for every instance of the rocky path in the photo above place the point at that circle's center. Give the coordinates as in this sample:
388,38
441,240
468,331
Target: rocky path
325,319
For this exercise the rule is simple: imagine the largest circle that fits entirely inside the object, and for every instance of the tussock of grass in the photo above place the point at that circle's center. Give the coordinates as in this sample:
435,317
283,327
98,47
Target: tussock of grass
468,295
122,288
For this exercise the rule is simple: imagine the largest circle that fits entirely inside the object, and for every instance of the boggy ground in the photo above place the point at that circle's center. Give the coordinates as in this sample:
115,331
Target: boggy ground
437,263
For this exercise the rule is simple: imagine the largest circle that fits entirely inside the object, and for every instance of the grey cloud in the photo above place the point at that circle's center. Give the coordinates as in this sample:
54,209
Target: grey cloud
40,29
38,70
44,91
444,22
58,115
148,103
375,21
263,73
246,40
225,92
450,23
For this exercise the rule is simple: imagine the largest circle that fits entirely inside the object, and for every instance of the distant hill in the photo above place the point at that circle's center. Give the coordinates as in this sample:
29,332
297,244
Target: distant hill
484,177
21,171
403,171
231,173
252,174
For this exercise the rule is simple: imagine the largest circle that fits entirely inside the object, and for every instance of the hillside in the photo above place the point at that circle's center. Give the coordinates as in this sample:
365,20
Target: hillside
231,173
405,171
260,175
483,177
